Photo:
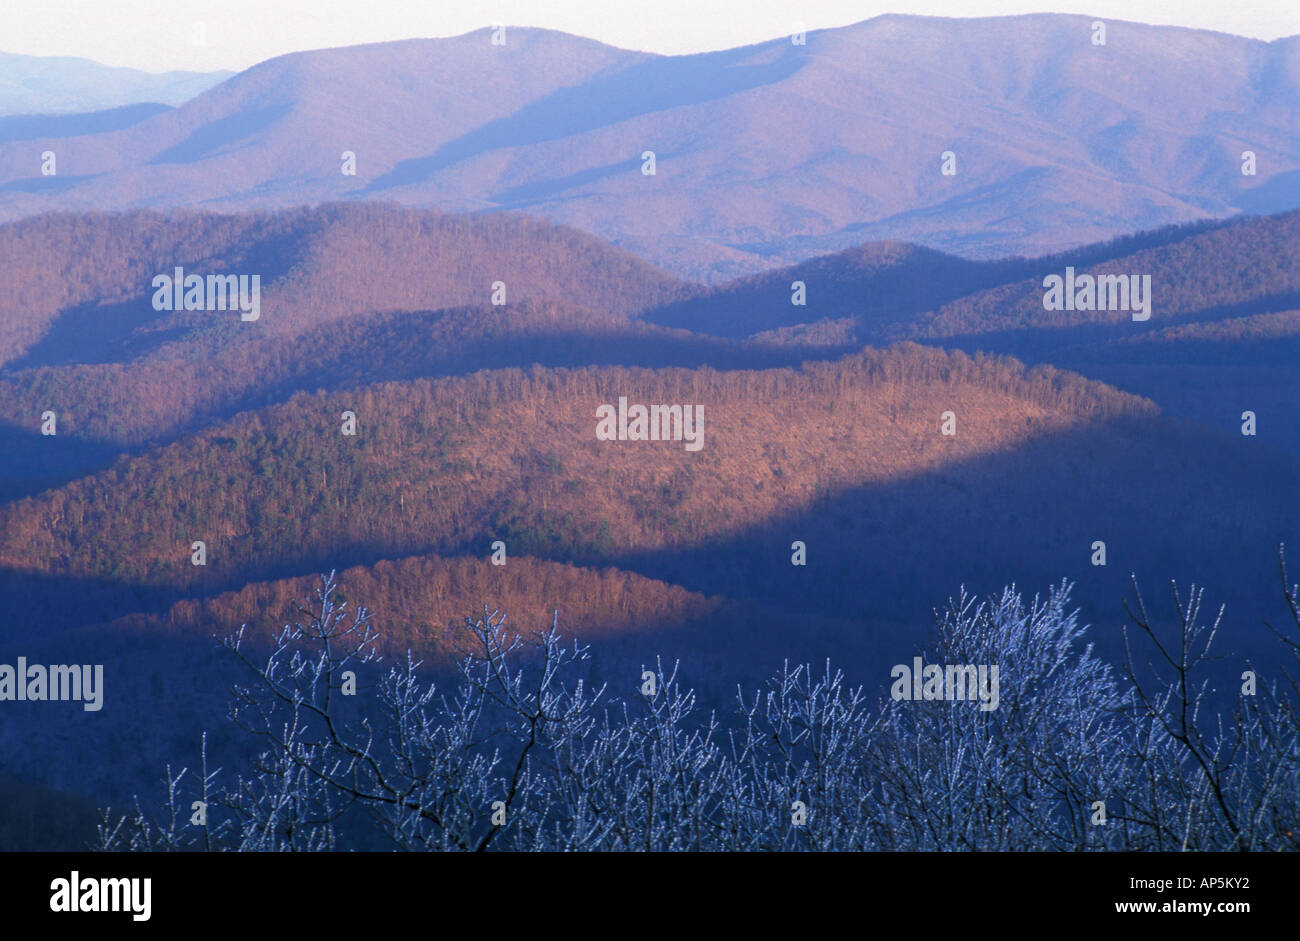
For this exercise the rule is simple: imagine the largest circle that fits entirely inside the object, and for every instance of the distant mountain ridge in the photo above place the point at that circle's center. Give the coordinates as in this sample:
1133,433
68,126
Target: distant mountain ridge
764,155
64,85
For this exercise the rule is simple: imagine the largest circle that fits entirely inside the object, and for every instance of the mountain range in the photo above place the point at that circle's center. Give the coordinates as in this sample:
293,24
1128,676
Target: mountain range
764,155
890,410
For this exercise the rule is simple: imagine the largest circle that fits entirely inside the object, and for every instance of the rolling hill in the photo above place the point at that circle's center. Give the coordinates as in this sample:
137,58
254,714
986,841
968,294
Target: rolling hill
80,288
1221,339
349,293
842,455
351,298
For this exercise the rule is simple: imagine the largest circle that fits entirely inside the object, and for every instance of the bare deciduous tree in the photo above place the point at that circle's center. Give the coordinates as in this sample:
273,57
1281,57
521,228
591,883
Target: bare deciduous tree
525,755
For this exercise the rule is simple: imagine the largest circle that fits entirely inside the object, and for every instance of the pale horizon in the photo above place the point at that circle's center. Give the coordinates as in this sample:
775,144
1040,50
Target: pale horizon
241,33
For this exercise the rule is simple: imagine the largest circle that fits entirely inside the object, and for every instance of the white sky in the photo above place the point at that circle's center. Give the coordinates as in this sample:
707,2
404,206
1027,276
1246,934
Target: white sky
156,35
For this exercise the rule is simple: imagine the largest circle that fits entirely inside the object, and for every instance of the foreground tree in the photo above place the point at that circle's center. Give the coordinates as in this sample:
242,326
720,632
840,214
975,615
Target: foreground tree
525,755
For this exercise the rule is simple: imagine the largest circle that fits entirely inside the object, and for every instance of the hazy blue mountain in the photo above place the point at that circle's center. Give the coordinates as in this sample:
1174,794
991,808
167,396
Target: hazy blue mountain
49,85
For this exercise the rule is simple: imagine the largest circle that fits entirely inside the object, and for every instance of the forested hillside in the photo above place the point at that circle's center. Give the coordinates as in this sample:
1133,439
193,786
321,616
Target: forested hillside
1221,338
81,283
838,494
349,294
848,457
894,291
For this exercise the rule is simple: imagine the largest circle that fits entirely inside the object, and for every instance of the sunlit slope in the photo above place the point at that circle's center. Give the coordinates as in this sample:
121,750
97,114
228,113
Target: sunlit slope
436,465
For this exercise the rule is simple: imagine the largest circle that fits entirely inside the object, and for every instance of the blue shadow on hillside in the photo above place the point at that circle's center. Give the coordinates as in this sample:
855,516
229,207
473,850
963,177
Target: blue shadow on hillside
20,127
220,133
1279,193
45,184
526,194
645,88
